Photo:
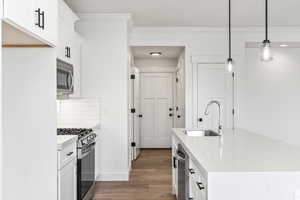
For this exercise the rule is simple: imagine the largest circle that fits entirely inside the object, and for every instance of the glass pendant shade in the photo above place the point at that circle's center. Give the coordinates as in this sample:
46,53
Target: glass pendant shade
266,54
230,65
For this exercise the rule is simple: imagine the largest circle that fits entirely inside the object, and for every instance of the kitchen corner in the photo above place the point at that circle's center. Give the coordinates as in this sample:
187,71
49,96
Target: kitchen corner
78,126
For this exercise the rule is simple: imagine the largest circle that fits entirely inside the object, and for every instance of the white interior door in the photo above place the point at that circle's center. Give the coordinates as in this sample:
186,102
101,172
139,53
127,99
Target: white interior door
214,83
157,110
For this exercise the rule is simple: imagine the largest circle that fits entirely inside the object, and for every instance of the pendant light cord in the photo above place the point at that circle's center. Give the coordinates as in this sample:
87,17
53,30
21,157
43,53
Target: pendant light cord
229,24
267,23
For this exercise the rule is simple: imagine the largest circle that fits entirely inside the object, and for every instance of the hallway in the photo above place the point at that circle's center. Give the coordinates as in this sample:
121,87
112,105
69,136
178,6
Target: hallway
150,179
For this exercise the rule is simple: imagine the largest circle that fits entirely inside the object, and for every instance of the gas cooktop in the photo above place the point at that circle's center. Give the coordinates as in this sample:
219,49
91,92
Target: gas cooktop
80,132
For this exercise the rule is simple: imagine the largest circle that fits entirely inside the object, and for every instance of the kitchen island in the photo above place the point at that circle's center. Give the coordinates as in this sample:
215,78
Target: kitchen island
238,165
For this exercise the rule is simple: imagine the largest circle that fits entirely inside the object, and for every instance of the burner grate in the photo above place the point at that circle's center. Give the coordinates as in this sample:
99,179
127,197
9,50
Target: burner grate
80,132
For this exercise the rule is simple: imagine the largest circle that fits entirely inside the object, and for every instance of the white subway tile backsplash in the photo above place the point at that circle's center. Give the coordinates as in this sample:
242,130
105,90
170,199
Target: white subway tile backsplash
78,113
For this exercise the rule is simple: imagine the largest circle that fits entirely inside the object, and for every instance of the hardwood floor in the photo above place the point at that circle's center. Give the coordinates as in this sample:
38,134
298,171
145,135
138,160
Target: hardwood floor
150,179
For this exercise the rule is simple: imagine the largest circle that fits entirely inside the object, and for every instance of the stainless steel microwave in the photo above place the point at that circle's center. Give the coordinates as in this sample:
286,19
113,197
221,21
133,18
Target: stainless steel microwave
64,77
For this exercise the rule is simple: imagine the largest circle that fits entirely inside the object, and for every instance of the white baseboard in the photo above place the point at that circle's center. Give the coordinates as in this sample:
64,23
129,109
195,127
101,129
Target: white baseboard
113,176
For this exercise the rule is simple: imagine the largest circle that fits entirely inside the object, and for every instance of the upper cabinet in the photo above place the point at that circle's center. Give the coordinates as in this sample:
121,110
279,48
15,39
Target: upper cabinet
34,18
69,43
67,40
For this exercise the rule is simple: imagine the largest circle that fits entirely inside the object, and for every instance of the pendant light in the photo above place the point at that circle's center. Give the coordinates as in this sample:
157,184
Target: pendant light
266,46
230,63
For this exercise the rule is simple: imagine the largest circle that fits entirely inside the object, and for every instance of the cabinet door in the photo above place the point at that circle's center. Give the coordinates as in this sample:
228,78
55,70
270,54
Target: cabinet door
67,182
65,37
20,13
48,19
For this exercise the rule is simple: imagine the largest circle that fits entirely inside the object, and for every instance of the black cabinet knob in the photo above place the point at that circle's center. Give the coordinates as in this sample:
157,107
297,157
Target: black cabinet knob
140,116
67,51
170,109
200,186
200,119
170,115
192,171
41,18
38,23
178,116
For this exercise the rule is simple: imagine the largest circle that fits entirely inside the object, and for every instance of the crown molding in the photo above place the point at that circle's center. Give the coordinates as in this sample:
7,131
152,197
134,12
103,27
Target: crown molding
161,30
105,16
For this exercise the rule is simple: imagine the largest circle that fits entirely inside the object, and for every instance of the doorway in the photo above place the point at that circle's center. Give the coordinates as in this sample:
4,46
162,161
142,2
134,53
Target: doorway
161,94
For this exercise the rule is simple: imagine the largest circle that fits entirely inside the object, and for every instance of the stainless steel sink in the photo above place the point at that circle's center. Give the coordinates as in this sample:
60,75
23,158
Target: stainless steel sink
201,133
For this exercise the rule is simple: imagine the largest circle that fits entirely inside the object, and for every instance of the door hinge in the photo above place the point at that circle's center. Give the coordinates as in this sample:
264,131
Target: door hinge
233,111
132,76
132,110
177,79
233,74
133,144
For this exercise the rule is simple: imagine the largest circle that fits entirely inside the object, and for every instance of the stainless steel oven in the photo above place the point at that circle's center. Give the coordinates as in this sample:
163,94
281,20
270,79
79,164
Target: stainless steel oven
64,78
86,172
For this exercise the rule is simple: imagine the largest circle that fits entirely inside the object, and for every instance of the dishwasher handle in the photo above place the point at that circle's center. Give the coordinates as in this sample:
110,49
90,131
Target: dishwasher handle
180,157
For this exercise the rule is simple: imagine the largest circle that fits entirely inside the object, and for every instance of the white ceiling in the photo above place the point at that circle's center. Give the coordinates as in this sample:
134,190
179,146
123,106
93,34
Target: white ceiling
195,12
167,52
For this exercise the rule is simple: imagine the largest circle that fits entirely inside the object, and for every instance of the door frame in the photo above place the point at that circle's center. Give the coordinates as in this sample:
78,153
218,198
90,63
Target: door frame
133,116
211,59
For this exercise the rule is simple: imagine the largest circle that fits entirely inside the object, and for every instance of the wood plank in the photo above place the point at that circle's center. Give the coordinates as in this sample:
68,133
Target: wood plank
25,45
150,179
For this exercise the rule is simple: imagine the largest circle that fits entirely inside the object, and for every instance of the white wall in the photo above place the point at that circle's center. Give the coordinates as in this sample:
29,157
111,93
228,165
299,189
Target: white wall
29,123
156,64
104,75
213,41
78,113
271,106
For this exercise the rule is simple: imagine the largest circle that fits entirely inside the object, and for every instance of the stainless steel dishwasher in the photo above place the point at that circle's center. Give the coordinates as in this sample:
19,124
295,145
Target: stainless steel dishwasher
183,176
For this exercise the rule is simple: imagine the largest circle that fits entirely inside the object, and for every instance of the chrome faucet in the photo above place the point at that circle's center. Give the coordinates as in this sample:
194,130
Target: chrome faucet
219,106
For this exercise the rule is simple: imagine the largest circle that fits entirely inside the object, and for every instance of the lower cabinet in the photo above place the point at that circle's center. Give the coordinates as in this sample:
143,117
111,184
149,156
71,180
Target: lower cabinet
197,177
174,169
67,182
197,182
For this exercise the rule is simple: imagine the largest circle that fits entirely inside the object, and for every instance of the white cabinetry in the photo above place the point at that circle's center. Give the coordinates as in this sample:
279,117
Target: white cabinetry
69,43
174,168
197,177
37,18
67,172
67,182
197,182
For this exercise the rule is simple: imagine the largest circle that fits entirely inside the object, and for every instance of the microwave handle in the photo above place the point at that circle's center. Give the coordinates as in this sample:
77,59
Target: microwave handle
70,77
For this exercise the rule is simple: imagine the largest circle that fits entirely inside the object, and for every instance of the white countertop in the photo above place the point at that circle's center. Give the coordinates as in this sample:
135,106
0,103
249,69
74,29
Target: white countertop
65,140
240,151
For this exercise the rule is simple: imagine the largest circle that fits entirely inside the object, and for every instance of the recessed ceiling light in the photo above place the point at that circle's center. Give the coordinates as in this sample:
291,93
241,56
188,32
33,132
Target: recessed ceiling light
155,53
283,45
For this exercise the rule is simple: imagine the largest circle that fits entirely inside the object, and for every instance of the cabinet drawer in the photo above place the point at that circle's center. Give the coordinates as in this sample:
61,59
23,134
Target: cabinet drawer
198,182
66,155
